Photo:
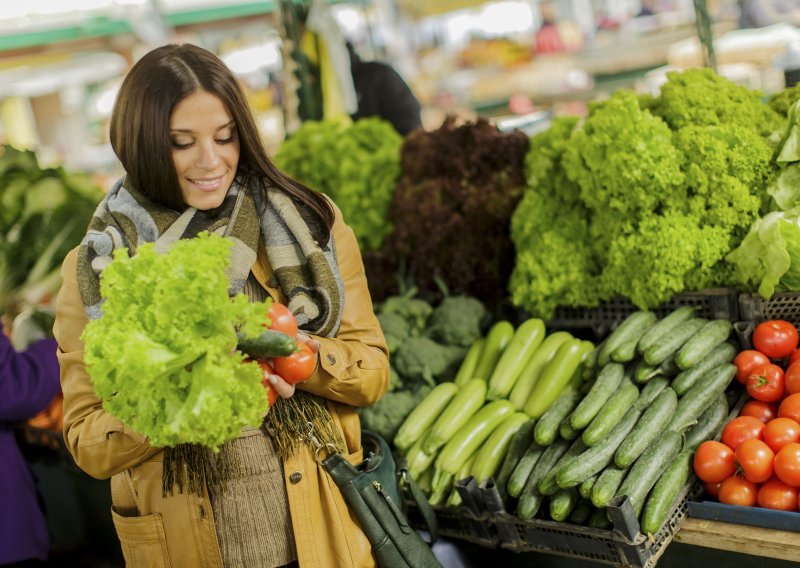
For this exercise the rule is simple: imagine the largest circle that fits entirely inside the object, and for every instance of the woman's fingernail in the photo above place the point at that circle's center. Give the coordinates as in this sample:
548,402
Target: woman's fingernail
272,379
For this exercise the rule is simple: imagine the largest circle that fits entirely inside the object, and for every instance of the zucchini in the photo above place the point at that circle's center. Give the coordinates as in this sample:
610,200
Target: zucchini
698,398
647,469
516,482
607,485
548,485
596,458
555,376
268,344
466,402
666,489
650,425
492,452
708,425
610,414
562,503
418,461
664,326
466,370
514,357
607,382
531,499
547,427
424,415
566,431
672,341
585,488
702,343
581,513
516,451
497,339
521,391
632,327
723,353
650,392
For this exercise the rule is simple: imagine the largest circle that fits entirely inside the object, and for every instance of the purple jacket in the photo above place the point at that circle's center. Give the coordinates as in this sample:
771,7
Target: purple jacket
28,382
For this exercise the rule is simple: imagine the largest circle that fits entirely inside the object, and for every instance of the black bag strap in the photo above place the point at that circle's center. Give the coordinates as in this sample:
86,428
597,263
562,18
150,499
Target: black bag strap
412,491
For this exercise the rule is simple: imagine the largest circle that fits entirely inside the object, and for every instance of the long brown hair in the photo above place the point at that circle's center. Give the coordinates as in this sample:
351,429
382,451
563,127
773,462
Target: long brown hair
140,129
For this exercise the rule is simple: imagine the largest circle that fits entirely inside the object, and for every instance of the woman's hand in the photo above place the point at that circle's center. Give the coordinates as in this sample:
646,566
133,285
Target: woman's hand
284,389
308,340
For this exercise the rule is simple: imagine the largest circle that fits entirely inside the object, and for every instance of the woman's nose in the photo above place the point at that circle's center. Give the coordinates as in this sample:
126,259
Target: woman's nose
208,158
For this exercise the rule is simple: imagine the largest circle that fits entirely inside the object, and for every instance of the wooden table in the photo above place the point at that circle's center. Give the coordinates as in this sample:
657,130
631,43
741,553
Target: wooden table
771,543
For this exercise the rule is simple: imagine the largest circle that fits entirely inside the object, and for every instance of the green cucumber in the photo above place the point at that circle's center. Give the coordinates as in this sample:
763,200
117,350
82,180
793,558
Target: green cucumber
599,520
531,499
523,469
702,343
497,339
647,469
548,485
562,503
654,420
643,372
607,484
596,458
610,414
631,327
650,392
547,427
666,489
581,513
516,450
709,424
268,344
698,398
625,352
664,326
607,383
590,364
672,341
723,353
585,488
566,431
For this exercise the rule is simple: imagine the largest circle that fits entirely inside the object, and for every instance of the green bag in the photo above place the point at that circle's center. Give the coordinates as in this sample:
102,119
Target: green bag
371,491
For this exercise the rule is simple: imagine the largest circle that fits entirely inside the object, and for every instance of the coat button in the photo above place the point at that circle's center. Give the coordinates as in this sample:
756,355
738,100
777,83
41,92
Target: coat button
331,359
296,477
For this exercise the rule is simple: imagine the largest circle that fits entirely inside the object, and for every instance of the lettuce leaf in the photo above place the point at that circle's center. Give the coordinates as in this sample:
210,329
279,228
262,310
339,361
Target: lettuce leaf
163,356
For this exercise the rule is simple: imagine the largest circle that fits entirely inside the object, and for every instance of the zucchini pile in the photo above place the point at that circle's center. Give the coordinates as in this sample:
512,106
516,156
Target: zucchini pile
653,391
464,427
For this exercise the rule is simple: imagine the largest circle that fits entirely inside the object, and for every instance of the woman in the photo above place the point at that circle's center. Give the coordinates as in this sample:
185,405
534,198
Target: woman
194,161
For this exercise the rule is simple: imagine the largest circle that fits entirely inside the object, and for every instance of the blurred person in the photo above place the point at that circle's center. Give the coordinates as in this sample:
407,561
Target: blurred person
29,381
763,13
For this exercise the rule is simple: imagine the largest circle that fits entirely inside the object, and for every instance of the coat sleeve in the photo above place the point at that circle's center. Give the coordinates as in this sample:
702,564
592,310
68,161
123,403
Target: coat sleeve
28,379
354,366
101,445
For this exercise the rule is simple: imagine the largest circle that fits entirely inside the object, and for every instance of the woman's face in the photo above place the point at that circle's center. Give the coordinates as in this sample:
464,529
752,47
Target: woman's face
205,149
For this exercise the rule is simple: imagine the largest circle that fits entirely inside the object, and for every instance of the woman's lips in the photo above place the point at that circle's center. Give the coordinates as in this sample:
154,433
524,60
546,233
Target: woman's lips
207,184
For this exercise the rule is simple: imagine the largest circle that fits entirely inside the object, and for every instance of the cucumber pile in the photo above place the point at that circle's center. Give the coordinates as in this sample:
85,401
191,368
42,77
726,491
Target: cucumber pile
652,392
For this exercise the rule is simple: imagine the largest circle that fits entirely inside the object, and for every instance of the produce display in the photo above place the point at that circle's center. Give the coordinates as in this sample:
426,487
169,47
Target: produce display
756,462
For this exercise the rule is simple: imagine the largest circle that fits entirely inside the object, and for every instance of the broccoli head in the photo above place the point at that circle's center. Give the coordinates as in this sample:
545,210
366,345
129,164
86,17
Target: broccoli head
421,358
414,310
395,329
457,321
387,415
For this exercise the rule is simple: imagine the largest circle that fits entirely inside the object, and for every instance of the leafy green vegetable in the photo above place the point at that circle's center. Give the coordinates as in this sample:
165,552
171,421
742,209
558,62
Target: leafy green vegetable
356,166
163,356
783,100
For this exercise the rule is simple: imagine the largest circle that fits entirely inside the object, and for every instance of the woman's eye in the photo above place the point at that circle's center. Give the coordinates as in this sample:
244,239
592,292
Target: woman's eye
227,140
179,146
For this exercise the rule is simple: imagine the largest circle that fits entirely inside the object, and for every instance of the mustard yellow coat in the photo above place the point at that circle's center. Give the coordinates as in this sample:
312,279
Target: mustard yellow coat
179,530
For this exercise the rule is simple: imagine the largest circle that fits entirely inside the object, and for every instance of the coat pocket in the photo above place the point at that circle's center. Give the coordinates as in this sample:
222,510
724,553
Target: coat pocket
144,544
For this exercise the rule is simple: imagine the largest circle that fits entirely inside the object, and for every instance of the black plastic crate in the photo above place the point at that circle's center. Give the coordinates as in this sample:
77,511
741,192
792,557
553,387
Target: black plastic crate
713,303
459,523
623,545
786,306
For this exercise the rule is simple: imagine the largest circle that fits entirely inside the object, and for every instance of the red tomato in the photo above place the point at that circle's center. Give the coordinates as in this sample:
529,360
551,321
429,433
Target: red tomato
764,411
765,383
714,462
755,458
740,429
272,394
282,319
775,338
794,357
775,494
792,377
745,361
736,490
781,431
790,407
296,367
787,464
713,489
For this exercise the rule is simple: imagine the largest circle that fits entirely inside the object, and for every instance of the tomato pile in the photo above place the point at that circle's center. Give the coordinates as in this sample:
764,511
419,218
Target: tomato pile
757,460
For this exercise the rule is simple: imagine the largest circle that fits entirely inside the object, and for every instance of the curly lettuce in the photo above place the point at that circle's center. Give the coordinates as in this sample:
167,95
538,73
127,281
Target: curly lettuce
162,357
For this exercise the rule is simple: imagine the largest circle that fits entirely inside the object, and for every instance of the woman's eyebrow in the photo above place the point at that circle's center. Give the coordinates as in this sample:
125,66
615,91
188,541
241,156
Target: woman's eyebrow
190,131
